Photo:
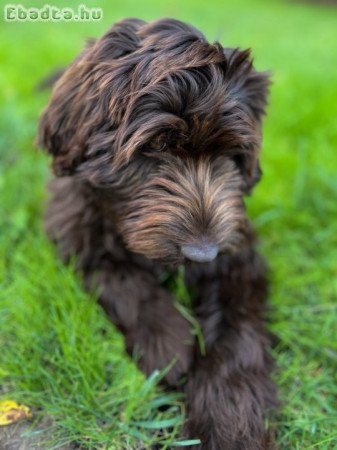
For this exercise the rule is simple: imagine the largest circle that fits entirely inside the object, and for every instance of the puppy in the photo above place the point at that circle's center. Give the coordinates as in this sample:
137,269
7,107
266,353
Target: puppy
155,138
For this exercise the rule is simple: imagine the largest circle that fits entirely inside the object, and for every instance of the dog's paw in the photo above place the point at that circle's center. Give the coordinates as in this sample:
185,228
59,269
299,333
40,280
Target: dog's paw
226,412
214,441
161,341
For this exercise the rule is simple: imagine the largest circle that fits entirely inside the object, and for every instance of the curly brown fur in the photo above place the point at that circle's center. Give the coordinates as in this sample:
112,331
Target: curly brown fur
155,136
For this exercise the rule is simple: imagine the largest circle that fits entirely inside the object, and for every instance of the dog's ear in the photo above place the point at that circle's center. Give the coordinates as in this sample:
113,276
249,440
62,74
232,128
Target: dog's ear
78,124
249,89
57,126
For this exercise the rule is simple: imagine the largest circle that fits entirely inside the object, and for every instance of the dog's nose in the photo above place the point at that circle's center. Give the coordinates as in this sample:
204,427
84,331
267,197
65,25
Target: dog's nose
204,252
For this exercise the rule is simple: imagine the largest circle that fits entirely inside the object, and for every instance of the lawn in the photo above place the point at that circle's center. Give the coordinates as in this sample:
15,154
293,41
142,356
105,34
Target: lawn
59,354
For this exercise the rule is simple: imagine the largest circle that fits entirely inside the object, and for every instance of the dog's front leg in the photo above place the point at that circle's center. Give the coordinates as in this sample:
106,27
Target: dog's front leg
229,391
154,330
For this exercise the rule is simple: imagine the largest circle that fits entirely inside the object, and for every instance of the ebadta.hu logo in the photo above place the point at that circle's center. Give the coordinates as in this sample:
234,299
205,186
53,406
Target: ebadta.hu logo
20,13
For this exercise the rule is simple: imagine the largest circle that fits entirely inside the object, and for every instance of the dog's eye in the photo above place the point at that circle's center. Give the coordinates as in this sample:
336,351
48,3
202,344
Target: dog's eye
158,147
158,143
240,161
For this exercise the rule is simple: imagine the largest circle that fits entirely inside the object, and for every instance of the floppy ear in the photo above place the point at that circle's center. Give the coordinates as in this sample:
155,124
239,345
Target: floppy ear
250,89
58,128
79,121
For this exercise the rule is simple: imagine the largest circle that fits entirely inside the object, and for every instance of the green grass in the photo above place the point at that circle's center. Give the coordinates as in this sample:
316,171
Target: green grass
59,354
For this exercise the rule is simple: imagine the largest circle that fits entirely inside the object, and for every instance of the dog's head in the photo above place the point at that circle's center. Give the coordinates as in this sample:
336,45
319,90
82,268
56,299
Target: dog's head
168,128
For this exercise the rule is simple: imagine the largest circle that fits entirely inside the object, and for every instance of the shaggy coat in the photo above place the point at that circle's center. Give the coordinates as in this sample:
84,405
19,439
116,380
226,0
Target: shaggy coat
155,137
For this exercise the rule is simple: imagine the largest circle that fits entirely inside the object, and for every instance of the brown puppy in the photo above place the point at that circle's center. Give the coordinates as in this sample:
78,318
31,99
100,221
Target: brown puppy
155,135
